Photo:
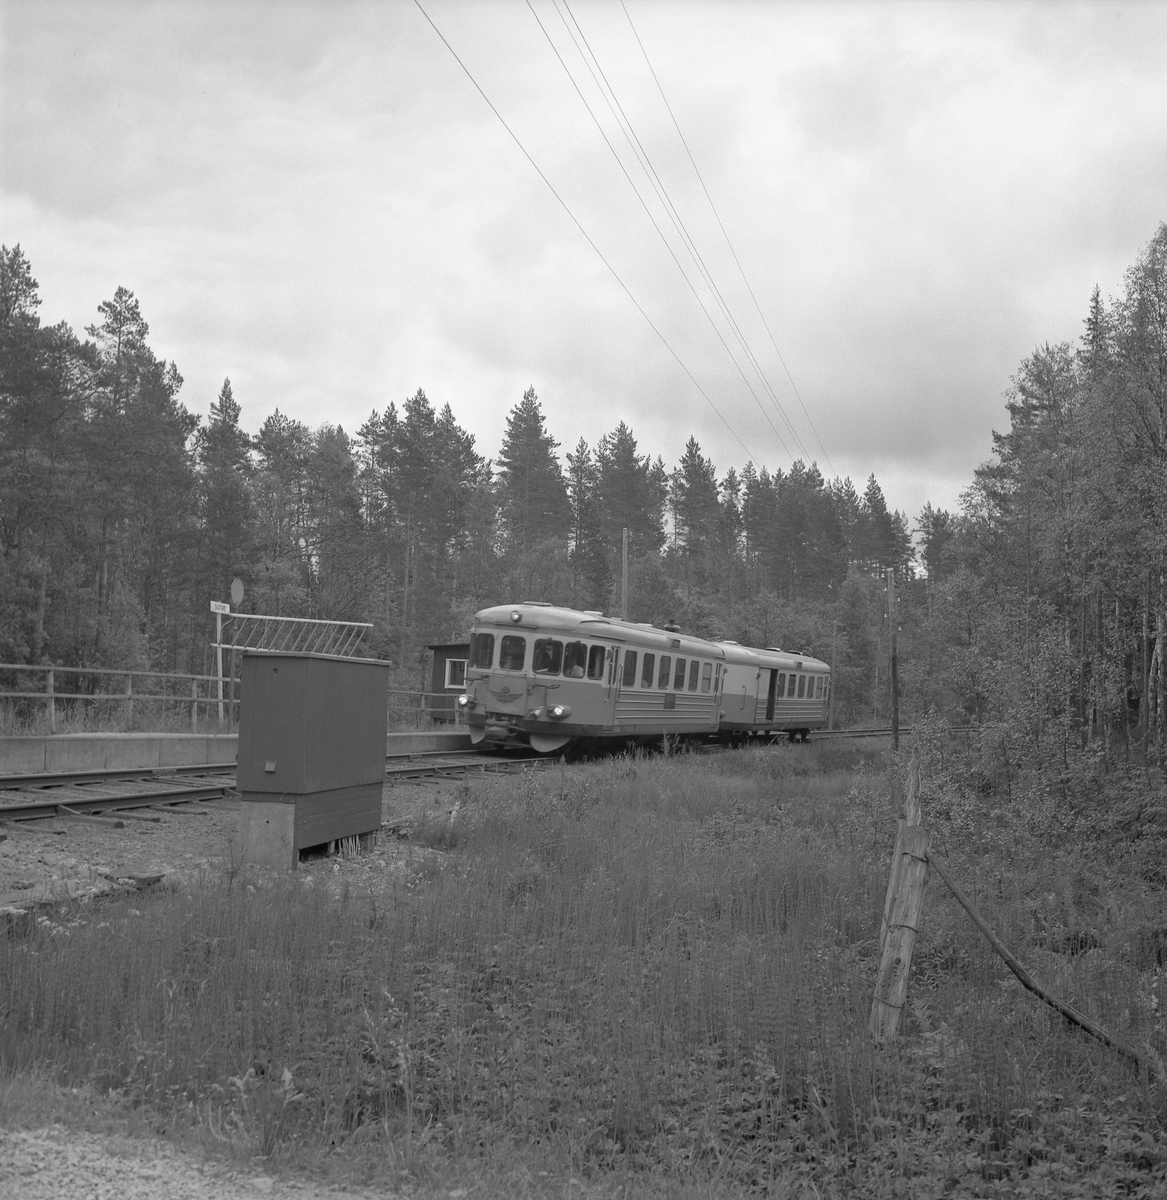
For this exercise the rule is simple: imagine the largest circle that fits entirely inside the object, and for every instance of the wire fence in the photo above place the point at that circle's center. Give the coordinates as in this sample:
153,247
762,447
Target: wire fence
101,697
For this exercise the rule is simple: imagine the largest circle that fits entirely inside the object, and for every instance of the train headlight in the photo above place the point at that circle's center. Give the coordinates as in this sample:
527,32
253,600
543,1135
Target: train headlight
465,701
559,711
516,616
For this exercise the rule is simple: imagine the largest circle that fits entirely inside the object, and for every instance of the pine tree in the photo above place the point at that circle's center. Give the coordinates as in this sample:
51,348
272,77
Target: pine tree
591,574
693,491
631,490
533,501
222,450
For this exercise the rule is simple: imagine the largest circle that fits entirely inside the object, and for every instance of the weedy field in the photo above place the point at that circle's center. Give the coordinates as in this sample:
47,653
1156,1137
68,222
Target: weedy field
646,975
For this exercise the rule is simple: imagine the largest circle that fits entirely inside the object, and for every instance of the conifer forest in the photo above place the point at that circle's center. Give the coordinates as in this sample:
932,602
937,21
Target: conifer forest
1037,610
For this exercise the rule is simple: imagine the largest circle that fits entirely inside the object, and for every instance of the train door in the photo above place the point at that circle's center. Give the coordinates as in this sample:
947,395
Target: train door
770,693
612,686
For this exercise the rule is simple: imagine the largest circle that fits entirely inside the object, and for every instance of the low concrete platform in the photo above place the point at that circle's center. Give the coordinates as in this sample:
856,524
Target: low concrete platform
429,741
113,751
144,751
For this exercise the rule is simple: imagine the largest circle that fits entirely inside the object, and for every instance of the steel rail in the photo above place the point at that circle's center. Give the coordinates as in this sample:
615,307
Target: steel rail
100,774
95,805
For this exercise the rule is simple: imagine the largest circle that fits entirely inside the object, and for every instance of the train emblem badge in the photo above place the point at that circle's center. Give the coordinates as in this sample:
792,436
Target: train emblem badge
504,695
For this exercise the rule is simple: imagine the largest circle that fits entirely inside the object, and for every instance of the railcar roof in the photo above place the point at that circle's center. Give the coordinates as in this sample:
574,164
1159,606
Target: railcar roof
535,617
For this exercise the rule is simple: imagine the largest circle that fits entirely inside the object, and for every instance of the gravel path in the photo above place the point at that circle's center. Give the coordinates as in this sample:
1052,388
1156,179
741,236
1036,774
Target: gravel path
60,1164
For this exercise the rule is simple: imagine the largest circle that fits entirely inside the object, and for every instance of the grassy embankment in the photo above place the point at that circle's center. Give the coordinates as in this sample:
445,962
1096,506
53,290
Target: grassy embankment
653,972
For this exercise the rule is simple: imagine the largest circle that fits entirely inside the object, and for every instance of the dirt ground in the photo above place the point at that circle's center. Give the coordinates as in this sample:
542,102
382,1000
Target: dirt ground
67,858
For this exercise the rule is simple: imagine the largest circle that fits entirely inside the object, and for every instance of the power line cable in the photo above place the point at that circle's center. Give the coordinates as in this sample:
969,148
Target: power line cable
646,165
656,226
587,236
728,242
655,182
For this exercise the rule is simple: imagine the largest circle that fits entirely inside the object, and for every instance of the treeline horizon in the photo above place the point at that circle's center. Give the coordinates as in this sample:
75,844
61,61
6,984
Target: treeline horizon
122,515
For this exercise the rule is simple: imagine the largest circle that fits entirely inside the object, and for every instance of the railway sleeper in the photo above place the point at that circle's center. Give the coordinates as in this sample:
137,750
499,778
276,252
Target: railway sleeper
65,813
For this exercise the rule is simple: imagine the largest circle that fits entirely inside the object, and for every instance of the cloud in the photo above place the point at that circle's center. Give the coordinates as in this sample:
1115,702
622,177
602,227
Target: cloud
314,200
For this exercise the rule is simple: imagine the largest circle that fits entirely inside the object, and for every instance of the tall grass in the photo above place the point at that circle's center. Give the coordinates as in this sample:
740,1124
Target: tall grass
112,715
665,964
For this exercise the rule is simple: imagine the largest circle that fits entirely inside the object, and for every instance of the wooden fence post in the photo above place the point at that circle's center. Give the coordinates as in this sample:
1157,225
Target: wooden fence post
129,702
902,908
52,704
911,817
194,705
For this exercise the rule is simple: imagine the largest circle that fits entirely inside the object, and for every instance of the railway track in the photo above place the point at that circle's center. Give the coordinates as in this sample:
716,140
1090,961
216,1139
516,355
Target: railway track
89,795
101,794
104,795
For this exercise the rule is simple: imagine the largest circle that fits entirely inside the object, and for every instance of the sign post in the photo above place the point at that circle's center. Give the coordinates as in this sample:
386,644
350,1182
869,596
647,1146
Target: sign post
219,608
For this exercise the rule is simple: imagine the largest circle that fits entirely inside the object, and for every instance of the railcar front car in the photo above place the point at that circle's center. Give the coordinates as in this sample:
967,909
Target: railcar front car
544,676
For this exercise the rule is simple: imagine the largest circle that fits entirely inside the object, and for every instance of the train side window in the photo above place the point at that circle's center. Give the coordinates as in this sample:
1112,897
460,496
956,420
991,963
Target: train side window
679,675
780,690
646,673
818,688
801,686
694,671
482,650
706,676
512,652
792,685
548,656
629,668
596,658
575,660
666,668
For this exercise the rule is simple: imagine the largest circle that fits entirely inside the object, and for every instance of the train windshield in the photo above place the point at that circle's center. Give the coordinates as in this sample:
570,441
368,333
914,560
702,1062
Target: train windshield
706,676
512,652
548,656
482,650
596,658
575,660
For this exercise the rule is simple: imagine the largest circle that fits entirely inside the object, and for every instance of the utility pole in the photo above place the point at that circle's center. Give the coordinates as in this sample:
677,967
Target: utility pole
834,665
895,680
624,580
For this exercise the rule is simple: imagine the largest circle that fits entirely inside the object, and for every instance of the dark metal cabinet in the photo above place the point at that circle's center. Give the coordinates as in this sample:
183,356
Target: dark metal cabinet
311,736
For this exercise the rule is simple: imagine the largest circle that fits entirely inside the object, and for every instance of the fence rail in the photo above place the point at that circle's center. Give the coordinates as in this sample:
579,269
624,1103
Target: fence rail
412,705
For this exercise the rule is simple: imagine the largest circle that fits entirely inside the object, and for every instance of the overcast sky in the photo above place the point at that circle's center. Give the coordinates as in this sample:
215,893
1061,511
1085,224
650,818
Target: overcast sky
314,200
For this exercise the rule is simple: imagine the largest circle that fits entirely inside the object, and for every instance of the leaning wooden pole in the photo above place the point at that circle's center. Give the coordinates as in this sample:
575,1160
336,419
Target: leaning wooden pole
911,817
902,908
893,626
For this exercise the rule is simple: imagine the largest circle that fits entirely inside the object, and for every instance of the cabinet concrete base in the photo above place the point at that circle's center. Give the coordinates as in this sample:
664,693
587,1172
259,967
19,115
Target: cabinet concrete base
275,826
267,834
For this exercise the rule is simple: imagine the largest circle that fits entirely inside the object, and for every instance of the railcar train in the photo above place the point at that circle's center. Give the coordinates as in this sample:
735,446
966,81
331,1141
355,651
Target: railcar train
549,677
